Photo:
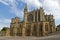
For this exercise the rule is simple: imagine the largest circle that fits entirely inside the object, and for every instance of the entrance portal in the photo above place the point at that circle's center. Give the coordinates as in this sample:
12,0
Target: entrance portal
41,30
27,32
28,29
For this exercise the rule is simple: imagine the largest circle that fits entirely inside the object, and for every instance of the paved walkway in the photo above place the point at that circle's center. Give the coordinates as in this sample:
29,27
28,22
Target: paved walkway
53,37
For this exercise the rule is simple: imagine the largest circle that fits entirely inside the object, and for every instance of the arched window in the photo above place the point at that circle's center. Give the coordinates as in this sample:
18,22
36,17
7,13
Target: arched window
38,15
28,30
50,28
41,30
35,16
34,31
34,27
41,27
30,17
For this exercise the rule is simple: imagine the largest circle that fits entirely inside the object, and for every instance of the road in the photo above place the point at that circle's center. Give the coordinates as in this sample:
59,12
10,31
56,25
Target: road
53,37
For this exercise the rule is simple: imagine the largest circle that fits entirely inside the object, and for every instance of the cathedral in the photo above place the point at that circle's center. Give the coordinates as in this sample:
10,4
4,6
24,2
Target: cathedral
35,23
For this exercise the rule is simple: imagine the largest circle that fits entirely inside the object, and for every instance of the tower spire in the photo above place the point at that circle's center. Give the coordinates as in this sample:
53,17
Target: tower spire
25,13
25,8
25,20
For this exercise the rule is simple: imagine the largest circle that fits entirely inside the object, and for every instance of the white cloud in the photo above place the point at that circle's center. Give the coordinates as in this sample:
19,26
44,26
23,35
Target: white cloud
51,3
35,3
5,20
53,7
13,7
50,6
4,23
3,2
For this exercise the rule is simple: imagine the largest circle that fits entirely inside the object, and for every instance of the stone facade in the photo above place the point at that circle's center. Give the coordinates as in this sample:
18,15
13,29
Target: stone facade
2,33
7,32
35,23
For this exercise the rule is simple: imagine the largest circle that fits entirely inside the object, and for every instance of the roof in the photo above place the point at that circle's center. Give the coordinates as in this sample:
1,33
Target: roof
58,25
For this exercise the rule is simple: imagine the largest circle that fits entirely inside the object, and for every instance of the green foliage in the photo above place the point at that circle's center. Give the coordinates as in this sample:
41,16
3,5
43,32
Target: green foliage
3,29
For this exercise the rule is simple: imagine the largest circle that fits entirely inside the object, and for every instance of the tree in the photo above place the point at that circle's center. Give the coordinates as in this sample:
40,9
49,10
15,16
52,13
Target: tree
4,29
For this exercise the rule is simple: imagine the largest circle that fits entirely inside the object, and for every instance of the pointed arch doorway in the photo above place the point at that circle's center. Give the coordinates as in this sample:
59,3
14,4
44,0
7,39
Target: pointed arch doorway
28,30
41,30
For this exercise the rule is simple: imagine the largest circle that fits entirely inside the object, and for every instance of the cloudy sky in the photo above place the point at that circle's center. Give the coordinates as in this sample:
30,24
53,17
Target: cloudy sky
12,8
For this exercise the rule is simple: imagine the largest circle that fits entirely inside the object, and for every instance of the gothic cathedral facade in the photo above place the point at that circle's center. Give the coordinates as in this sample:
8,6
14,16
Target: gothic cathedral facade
35,23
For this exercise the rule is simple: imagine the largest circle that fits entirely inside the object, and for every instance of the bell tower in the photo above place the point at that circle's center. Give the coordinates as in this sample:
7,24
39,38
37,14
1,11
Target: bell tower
25,21
25,13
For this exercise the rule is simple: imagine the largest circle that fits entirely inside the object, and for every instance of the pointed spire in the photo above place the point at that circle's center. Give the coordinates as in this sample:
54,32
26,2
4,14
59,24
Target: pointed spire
25,6
41,7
